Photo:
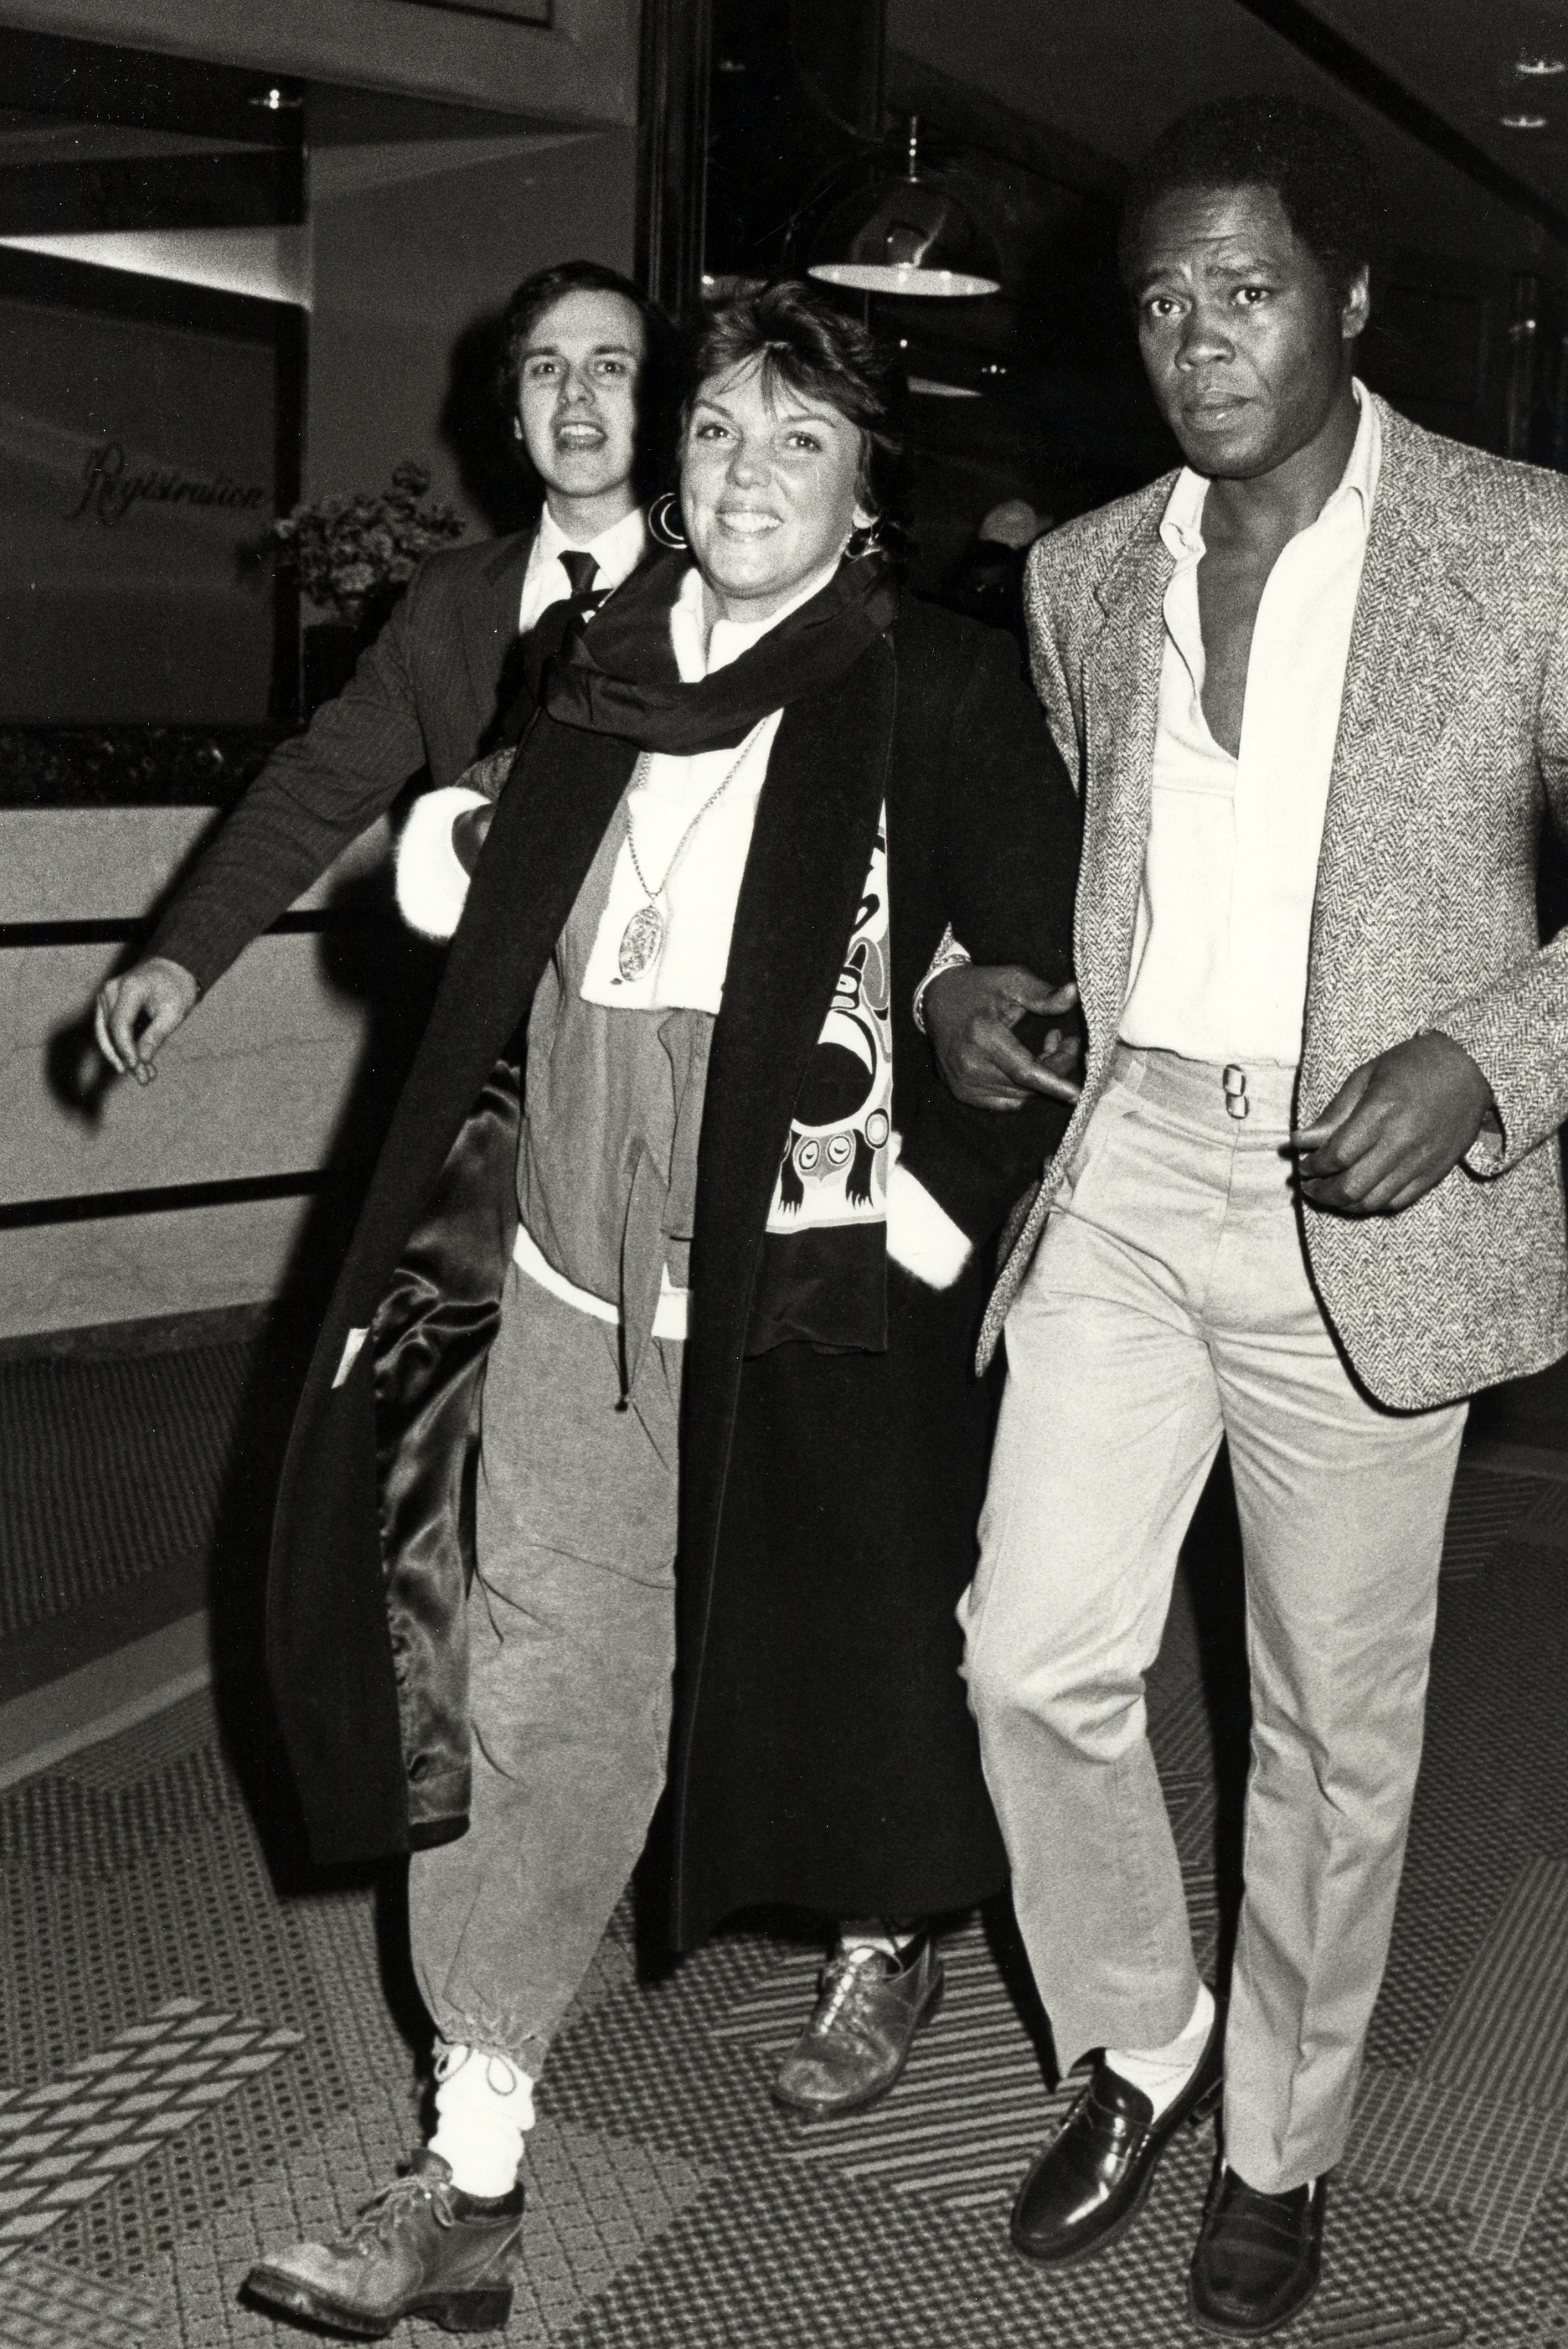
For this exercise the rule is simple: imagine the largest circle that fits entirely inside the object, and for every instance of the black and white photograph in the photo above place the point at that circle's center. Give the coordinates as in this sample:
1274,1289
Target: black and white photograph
783,1247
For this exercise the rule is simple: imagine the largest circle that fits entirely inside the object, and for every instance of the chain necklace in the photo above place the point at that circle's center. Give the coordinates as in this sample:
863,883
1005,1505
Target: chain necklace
644,936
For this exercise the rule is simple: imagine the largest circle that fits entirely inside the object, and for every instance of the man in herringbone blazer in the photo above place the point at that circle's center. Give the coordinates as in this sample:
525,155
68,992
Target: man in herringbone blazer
1315,689
582,345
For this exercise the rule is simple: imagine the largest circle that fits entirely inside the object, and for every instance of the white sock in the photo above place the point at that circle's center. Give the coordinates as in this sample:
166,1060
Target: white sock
484,2108
1164,2072
874,1933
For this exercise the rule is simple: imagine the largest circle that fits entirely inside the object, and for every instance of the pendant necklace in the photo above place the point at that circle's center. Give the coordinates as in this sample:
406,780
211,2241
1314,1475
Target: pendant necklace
644,934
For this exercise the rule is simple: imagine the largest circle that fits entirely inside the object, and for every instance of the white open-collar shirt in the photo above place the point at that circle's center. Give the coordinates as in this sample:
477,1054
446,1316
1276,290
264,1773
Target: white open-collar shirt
1225,913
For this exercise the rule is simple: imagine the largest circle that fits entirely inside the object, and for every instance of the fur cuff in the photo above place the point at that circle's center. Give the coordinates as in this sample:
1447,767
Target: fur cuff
922,1236
432,886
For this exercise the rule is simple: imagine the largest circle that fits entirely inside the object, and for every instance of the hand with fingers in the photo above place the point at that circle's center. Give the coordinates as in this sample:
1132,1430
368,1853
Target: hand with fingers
138,1012
971,1012
1395,1127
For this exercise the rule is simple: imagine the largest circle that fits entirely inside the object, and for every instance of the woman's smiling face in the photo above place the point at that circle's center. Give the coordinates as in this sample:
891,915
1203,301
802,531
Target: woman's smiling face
769,489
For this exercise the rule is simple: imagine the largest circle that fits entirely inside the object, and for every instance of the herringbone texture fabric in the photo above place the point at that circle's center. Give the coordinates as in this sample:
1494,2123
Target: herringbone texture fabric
1455,713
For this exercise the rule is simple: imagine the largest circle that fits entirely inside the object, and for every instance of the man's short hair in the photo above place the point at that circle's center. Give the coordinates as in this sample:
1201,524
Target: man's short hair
806,343
1312,160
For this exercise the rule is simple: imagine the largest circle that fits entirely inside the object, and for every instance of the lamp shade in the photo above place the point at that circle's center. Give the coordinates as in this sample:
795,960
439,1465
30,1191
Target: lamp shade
906,236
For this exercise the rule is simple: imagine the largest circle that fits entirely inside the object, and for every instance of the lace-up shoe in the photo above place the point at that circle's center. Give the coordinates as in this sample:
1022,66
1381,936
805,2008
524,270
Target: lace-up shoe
420,2248
868,2010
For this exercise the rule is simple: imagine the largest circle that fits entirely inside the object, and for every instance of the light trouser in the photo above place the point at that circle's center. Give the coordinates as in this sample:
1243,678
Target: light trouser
1170,1304
571,1651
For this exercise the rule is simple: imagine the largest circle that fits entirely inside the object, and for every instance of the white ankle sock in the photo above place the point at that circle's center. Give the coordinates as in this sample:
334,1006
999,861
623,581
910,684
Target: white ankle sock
484,2108
874,1933
1164,2072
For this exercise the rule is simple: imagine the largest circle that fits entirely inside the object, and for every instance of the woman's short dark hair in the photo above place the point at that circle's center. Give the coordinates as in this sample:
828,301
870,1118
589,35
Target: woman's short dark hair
1312,159
809,346
655,394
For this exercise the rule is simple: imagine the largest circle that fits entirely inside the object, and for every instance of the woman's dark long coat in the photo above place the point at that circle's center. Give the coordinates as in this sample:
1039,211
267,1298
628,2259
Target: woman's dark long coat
372,1549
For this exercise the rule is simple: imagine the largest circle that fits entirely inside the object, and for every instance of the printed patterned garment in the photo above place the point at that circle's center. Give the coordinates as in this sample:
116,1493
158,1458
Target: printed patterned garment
834,1171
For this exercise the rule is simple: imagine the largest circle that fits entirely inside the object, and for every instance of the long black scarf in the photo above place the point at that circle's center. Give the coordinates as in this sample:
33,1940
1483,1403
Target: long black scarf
618,676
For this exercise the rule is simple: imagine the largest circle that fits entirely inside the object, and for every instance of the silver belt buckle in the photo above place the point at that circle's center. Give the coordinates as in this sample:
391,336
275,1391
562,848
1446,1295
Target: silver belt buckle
1235,1082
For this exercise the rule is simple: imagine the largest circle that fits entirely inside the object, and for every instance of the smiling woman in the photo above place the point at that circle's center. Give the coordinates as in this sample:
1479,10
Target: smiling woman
675,1177
778,446
769,489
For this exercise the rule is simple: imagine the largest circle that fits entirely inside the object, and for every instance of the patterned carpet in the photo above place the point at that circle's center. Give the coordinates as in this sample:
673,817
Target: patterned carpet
203,2051
131,1486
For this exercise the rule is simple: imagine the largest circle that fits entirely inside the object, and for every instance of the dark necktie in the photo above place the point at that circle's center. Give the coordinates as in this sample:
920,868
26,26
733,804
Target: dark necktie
582,570
540,643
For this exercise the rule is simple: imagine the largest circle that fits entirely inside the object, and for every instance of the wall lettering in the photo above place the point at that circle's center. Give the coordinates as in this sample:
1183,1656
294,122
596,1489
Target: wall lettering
109,491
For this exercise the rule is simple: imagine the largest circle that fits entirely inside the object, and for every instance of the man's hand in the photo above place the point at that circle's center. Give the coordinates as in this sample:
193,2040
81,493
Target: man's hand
1395,1128
970,1015
139,1012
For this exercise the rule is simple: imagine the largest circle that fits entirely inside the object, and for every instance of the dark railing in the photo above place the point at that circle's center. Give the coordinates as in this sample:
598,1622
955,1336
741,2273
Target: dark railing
164,1199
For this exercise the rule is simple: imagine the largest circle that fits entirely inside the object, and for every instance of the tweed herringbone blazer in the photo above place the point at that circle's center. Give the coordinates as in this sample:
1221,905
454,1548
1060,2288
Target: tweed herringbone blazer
1453,749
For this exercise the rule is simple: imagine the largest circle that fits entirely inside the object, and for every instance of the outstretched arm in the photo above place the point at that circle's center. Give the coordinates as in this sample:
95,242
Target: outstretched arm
314,796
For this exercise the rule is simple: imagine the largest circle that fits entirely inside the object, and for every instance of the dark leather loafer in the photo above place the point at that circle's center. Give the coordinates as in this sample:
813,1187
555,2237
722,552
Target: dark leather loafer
1088,2187
1258,2255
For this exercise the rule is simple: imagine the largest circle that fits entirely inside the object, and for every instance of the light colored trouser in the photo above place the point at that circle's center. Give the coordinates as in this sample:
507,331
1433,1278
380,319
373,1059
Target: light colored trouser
571,1651
1169,1304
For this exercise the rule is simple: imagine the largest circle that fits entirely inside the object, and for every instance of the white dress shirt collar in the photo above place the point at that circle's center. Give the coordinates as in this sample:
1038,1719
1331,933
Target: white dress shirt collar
1183,526
618,552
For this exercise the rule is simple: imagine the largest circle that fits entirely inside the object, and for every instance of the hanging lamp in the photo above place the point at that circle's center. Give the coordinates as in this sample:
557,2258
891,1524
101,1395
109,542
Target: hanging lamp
906,236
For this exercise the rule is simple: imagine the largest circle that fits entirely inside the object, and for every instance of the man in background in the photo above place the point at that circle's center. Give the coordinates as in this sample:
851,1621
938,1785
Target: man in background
582,347
986,583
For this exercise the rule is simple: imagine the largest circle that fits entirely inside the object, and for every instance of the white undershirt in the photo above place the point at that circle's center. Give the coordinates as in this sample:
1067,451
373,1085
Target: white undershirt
1225,914
618,552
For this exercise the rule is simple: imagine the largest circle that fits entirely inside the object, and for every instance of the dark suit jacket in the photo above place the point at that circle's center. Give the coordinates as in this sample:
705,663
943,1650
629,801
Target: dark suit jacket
424,696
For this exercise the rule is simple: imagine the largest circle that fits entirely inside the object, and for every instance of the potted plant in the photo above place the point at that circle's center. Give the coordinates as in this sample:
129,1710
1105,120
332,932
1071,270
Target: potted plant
352,557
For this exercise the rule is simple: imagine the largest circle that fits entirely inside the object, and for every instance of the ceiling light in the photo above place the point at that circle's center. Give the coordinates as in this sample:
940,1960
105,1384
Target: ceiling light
1540,68
906,236
1523,122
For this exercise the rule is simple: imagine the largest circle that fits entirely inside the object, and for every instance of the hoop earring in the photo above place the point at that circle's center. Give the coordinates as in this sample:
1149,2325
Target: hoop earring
867,539
662,517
